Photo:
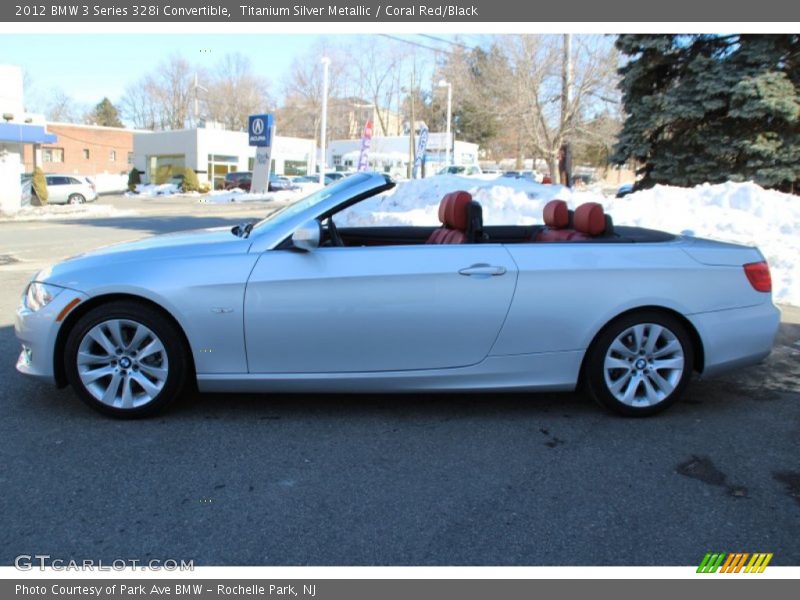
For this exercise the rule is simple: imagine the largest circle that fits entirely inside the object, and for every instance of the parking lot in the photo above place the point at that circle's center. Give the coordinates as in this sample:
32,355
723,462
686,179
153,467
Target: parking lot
495,479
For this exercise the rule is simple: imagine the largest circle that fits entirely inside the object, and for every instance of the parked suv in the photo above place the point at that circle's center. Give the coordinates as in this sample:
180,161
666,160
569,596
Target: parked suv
64,189
238,179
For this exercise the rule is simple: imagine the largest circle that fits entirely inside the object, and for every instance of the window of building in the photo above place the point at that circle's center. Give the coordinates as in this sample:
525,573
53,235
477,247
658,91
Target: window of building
220,165
130,158
112,155
86,153
337,160
53,155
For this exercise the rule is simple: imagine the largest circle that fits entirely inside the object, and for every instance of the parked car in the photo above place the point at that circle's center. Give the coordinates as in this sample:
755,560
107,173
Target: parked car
312,179
63,189
464,170
300,303
238,179
244,181
279,183
624,190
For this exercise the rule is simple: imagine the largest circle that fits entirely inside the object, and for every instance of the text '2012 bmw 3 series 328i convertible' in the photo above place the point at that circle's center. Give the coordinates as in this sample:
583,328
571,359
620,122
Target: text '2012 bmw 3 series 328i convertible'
295,303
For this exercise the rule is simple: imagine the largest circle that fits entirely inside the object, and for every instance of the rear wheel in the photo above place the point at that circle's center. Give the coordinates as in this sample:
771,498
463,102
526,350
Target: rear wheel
126,359
76,199
640,364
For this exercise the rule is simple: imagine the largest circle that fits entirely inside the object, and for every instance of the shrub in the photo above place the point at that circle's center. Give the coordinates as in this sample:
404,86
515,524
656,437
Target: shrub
190,182
39,185
134,179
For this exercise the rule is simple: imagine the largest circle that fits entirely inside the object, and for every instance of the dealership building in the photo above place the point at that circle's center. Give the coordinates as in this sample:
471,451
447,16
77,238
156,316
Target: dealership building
213,153
390,154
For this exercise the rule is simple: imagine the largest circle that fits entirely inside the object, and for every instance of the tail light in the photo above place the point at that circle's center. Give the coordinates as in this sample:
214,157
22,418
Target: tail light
758,276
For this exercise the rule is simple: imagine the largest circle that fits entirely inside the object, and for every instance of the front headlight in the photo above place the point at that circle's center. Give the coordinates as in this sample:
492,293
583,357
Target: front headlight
39,295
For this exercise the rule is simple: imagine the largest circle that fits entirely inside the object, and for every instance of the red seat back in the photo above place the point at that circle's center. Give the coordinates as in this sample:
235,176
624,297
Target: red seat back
556,221
454,216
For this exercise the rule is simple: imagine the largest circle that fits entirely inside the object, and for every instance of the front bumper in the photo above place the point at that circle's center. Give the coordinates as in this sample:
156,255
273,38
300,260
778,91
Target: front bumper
37,332
737,337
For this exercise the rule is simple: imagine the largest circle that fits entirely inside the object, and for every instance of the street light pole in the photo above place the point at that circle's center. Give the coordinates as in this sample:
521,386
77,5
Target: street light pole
449,153
324,119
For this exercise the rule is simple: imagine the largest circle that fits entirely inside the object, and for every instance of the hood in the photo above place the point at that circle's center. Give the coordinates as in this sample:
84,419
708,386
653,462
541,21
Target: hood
196,243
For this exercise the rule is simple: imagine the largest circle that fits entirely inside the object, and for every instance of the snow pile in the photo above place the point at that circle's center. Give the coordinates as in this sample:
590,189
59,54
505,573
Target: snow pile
107,183
737,212
151,190
238,195
54,212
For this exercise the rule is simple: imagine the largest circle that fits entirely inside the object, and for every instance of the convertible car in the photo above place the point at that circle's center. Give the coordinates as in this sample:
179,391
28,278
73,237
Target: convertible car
297,303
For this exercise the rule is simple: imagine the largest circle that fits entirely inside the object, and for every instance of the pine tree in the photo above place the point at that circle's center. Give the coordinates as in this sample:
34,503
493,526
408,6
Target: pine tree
711,108
106,114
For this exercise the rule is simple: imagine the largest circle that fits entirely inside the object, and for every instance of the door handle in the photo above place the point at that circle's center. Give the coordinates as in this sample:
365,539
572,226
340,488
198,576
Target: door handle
483,270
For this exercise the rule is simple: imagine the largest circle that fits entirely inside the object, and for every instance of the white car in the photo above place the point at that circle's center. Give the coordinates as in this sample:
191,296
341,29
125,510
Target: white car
63,189
296,303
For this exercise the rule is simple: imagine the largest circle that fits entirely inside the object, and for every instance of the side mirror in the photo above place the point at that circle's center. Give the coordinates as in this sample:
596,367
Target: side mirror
307,236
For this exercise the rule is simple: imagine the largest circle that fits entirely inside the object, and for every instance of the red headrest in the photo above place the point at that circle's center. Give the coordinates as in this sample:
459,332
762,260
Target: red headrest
556,214
454,209
590,218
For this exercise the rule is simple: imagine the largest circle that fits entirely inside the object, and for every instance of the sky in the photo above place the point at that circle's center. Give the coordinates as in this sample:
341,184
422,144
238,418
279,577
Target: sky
89,67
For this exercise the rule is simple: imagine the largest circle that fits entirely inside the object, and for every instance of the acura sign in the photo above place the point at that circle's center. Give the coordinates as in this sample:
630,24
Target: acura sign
260,130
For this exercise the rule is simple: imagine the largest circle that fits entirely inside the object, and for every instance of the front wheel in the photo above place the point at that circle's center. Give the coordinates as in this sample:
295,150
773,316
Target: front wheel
640,364
126,359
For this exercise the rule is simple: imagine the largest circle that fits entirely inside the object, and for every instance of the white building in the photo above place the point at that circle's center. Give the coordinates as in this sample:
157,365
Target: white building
213,153
390,154
17,129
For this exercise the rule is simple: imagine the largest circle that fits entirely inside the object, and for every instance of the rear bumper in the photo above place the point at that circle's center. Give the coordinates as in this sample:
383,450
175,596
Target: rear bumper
737,337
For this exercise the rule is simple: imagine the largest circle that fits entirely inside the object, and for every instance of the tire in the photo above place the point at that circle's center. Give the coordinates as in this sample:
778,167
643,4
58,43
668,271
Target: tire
630,375
76,199
106,364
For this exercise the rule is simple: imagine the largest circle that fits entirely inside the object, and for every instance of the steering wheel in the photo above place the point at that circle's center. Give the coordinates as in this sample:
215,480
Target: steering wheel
333,233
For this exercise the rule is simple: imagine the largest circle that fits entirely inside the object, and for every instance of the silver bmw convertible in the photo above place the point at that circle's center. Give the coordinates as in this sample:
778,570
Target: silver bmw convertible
295,303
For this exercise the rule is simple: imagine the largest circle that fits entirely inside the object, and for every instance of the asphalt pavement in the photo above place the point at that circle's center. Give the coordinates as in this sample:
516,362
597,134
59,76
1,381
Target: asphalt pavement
457,479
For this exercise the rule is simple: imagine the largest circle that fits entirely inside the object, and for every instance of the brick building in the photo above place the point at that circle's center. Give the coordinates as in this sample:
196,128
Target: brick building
84,150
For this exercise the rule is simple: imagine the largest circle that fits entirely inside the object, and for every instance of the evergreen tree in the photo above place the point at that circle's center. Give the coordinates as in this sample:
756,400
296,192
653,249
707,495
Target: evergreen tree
190,181
39,185
106,114
711,108
134,179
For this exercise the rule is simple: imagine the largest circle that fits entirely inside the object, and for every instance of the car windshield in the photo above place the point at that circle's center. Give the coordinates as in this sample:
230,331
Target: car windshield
296,208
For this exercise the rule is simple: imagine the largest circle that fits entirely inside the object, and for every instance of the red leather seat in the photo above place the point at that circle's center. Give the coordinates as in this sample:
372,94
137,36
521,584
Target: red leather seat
454,214
556,221
590,221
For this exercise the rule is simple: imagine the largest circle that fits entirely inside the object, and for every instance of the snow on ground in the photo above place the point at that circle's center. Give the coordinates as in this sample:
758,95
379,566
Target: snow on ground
238,195
738,212
54,212
152,190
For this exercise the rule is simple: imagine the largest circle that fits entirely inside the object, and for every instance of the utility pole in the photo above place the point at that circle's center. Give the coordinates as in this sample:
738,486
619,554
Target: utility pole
324,118
197,86
411,145
565,153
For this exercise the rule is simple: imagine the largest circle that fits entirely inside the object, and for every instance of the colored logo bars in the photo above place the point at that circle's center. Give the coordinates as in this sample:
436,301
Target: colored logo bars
734,562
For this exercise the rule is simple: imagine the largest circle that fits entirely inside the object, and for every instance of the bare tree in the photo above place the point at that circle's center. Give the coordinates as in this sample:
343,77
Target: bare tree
162,99
235,91
543,114
61,107
300,114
